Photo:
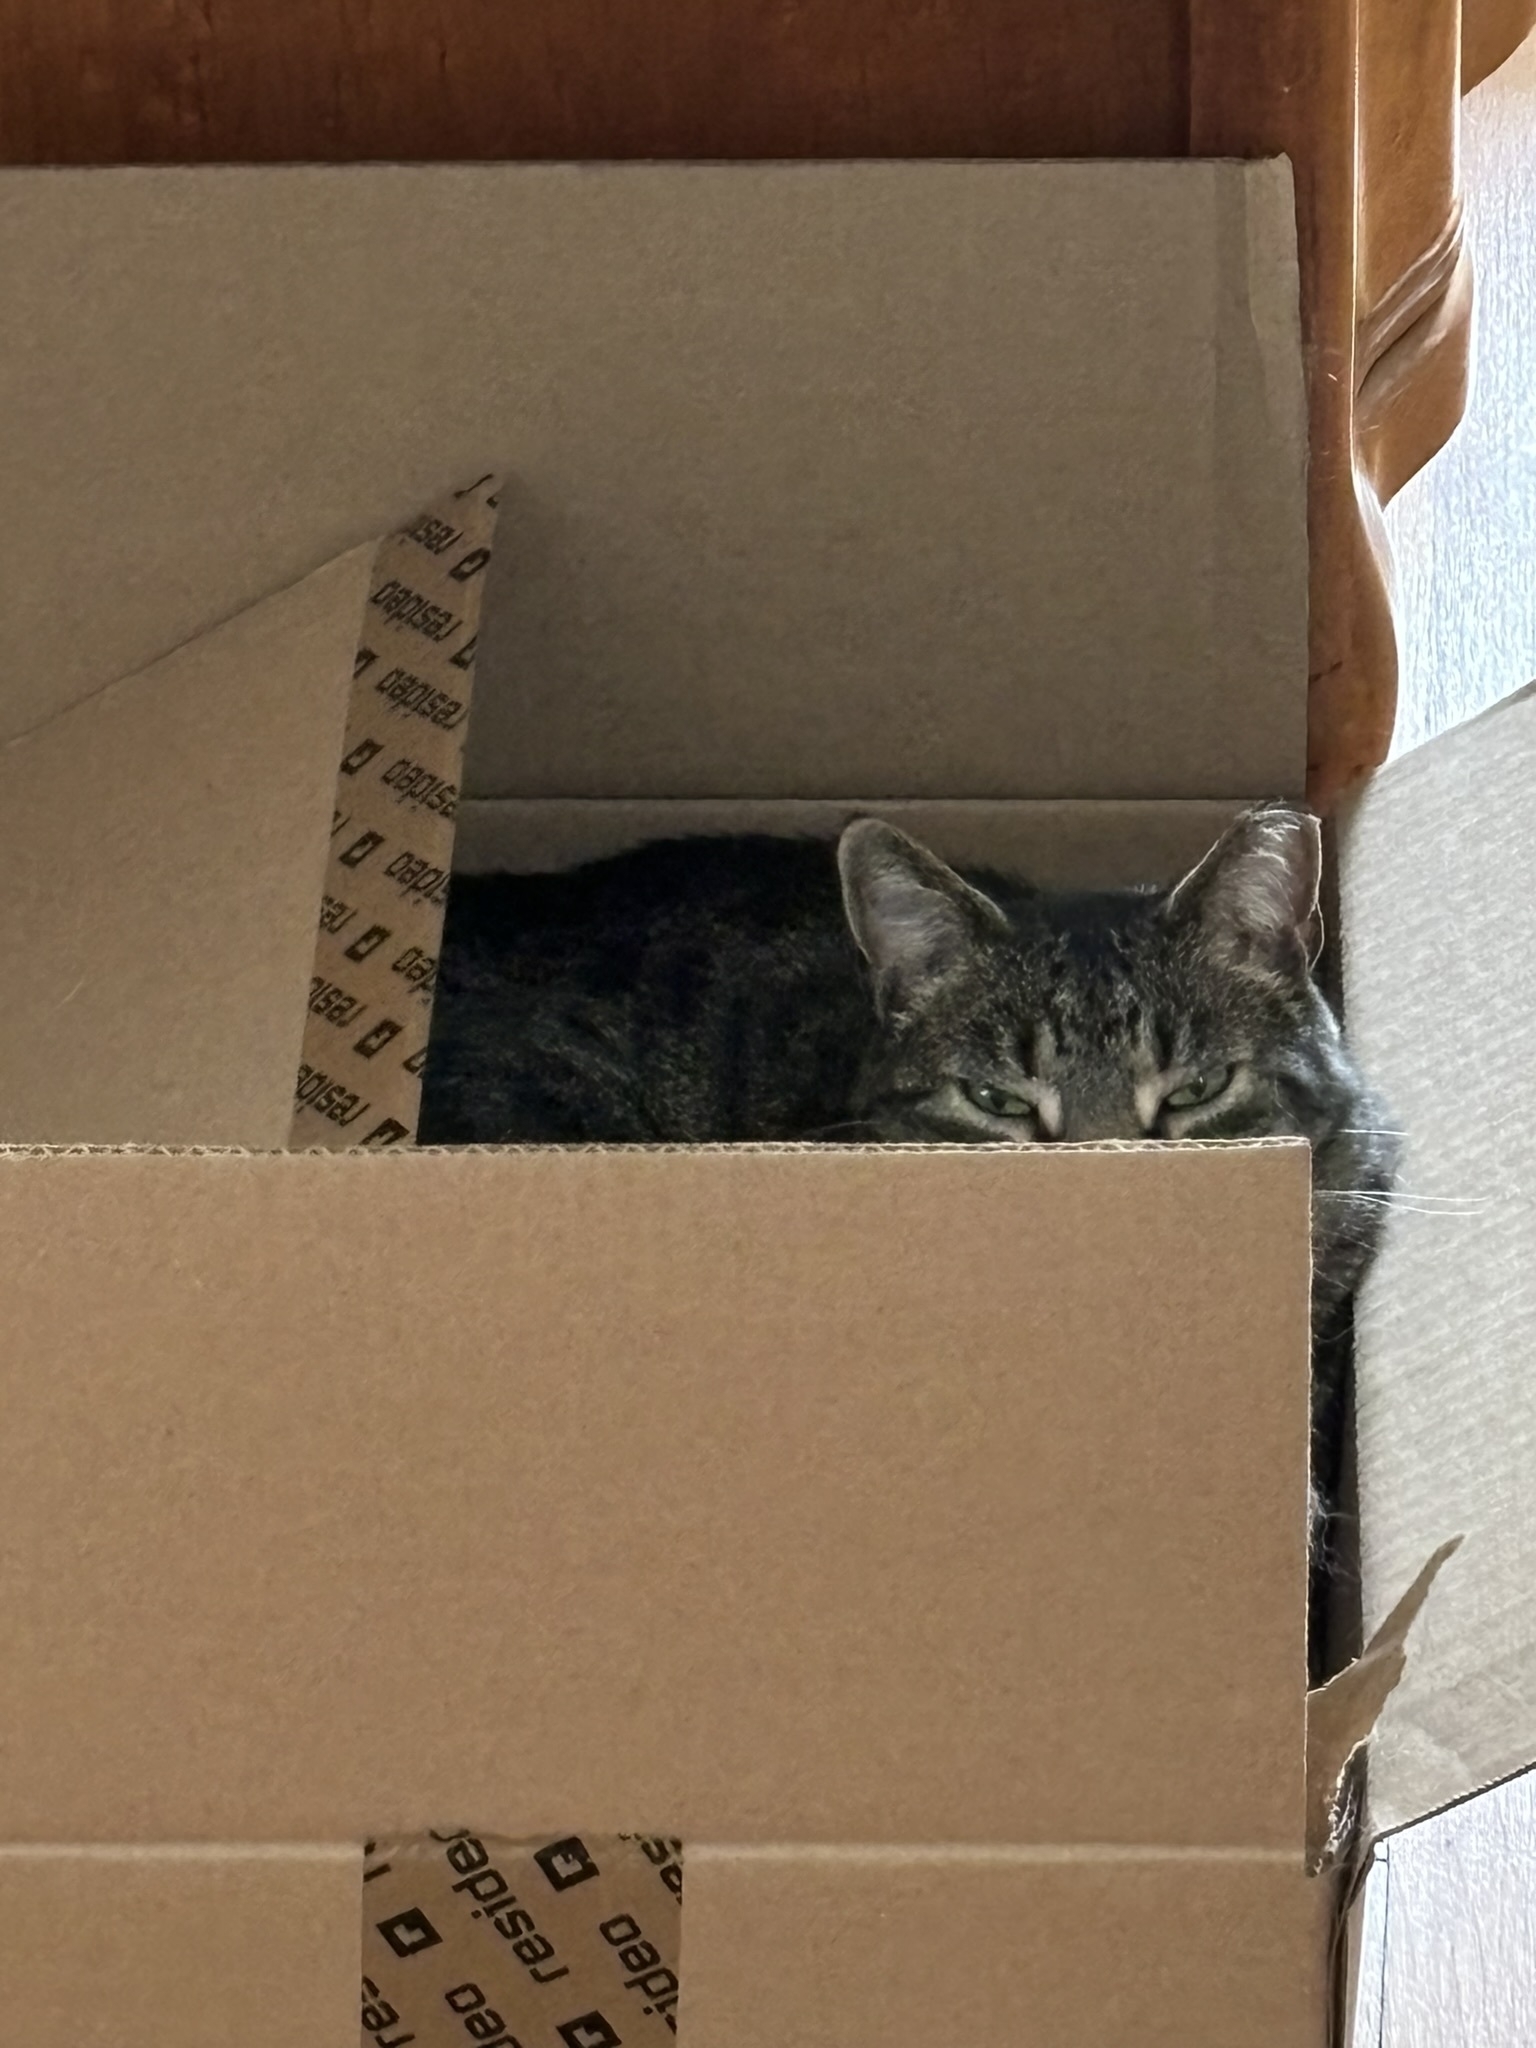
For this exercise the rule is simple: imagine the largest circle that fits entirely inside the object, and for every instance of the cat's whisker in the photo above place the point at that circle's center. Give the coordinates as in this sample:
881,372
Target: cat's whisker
1410,1204
1451,1215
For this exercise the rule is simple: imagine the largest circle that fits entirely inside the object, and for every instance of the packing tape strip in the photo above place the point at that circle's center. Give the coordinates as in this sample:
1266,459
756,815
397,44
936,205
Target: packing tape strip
381,917
571,1943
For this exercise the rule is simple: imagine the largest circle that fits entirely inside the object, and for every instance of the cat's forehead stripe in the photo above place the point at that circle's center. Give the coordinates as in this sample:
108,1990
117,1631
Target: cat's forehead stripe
1090,1014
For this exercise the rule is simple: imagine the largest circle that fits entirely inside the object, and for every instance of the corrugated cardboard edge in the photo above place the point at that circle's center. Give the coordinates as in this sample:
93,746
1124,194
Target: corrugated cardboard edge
811,1148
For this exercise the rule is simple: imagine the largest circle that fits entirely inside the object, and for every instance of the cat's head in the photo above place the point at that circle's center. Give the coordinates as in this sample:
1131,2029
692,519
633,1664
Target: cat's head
1024,1015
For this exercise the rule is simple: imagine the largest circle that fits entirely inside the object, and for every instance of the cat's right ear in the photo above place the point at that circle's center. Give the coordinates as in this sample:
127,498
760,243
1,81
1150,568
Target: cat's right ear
1255,895
914,919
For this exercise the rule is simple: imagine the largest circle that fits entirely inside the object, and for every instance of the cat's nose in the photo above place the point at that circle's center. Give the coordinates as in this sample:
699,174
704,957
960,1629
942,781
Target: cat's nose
1098,1122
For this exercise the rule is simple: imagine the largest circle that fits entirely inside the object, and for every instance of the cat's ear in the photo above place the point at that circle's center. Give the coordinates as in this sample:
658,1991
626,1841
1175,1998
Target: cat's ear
913,918
1255,895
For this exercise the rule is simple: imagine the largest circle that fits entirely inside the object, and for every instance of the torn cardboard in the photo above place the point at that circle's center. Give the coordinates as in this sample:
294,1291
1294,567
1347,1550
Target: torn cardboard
1343,1714
391,846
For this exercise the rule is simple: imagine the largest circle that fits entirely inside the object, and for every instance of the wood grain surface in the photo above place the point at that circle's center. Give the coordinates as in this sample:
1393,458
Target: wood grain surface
1491,32
188,81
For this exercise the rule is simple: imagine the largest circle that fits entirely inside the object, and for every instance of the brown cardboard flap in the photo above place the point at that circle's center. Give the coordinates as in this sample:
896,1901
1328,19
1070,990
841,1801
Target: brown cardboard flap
912,1948
934,478
1439,916
1089,845
809,1495
380,920
163,844
179,1947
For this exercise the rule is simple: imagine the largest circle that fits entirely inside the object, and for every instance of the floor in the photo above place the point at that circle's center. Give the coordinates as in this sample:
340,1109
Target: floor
1450,1940
1449,1955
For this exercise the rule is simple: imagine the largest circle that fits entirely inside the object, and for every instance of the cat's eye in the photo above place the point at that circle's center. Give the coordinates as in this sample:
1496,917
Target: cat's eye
1201,1088
999,1102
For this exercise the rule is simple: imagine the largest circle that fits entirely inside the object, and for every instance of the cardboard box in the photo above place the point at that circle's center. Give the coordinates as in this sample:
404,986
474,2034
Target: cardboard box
900,1538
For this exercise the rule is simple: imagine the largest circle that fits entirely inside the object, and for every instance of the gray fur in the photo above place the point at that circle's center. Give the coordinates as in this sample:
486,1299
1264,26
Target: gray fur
754,988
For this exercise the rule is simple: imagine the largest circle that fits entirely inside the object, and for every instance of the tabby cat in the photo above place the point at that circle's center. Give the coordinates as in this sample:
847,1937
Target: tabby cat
760,988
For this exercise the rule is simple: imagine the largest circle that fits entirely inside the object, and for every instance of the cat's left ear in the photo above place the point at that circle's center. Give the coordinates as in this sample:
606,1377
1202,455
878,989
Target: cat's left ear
1255,895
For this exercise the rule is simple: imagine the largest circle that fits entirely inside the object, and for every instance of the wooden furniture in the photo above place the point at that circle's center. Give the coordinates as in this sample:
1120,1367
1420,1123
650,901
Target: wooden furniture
1361,94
